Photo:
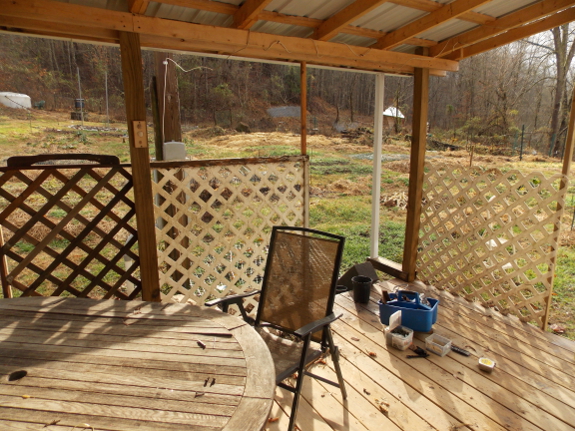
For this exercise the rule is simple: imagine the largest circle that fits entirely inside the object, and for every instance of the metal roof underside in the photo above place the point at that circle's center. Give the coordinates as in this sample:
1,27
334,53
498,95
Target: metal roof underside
446,30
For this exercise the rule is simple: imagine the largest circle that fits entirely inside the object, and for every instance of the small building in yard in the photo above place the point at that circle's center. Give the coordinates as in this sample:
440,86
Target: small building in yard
15,100
392,116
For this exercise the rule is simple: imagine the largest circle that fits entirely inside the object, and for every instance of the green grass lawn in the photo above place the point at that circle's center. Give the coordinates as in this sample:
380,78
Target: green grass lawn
340,183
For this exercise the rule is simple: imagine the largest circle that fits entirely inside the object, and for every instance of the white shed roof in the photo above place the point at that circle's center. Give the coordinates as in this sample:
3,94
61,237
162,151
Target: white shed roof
392,111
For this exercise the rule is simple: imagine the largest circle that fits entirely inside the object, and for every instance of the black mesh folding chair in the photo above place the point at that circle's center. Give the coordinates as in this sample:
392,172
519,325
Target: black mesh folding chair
297,298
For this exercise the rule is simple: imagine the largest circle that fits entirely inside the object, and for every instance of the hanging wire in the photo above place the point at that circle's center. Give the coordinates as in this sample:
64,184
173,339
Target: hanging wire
166,62
277,42
242,48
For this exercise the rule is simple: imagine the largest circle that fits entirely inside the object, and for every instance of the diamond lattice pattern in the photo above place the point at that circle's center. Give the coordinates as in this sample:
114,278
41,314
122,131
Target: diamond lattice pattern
491,237
68,232
214,222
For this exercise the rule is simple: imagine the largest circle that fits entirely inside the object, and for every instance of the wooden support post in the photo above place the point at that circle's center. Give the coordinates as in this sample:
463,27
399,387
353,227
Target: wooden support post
6,286
567,161
570,143
168,98
140,158
303,139
376,185
417,160
303,90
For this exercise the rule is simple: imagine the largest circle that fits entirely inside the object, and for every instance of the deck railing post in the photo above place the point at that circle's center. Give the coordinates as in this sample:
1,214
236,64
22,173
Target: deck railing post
376,185
140,158
417,160
567,160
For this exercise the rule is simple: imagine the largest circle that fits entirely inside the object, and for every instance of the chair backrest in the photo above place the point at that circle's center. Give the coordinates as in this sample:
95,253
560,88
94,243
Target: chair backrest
300,277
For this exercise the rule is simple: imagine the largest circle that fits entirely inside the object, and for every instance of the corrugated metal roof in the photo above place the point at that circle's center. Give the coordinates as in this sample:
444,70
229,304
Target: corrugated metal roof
447,30
117,5
307,16
500,8
389,17
282,29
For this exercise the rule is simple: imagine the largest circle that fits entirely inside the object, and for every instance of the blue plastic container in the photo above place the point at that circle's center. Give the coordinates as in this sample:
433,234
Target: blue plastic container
414,315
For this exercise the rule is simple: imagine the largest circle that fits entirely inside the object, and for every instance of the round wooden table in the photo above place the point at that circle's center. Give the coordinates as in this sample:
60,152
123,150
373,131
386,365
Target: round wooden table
130,365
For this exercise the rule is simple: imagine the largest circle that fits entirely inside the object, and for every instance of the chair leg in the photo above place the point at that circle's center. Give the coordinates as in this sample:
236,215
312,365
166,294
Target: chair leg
295,403
299,382
335,356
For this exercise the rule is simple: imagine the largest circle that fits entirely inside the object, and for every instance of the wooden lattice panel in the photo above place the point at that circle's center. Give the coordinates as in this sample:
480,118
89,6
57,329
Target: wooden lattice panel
214,221
491,237
66,231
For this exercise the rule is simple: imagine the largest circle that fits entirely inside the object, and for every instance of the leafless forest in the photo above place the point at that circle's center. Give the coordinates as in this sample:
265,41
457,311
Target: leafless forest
523,89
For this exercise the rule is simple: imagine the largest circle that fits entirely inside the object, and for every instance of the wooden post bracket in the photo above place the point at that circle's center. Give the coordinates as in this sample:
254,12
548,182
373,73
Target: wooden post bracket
140,134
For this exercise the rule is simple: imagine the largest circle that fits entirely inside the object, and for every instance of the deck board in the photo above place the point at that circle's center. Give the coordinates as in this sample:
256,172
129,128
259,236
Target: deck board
531,388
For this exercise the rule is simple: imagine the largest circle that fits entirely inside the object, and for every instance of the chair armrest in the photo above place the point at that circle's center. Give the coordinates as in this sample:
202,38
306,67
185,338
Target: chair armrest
234,299
231,299
318,324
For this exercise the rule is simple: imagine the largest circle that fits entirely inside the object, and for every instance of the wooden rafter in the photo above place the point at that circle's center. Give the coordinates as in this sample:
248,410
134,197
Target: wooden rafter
445,13
347,15
501,25
138,6
247,14
182,35
515,34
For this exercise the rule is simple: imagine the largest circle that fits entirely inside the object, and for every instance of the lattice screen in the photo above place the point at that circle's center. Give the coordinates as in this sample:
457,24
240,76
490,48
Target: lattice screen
214,221
66,232
491,236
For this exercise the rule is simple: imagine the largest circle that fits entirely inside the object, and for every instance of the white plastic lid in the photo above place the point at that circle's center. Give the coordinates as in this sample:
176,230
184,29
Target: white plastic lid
395,320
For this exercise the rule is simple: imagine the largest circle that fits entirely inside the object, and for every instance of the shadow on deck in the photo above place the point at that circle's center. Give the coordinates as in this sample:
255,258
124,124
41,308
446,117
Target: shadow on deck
531,387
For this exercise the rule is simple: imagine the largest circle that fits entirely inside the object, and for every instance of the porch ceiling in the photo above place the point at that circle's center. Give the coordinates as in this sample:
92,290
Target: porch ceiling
373,35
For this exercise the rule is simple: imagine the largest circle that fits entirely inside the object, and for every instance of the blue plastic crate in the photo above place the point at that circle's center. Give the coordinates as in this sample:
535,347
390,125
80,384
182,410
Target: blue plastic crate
414,315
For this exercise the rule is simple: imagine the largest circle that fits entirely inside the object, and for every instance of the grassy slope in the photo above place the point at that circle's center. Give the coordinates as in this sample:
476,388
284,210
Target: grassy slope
340,181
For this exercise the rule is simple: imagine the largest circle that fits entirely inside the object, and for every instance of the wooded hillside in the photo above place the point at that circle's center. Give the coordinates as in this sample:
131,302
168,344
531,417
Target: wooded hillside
492,99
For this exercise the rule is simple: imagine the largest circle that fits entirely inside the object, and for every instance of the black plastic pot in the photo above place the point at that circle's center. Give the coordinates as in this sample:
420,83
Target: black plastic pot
361,288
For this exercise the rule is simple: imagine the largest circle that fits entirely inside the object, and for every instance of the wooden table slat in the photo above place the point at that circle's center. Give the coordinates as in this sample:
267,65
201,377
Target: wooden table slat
122,366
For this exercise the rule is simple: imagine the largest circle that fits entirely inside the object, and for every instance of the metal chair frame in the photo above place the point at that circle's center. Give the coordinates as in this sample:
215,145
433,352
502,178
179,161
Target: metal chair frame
305,333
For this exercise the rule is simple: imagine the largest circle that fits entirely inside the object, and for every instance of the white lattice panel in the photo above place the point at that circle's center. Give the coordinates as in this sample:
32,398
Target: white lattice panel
214,223
491,237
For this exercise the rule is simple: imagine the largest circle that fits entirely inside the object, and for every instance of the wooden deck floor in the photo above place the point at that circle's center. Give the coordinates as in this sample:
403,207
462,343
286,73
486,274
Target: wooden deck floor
532,387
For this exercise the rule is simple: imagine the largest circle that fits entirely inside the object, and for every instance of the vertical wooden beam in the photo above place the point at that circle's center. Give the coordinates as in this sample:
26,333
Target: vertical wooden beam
6,286
140,158
303,142
303,104
566,169
570,143
168,98
417,160
376,185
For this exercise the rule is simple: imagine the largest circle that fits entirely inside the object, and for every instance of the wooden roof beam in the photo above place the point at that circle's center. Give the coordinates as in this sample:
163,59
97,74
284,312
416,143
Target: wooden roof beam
138,6
56,30
347,15
247,14
445,13
505,23
515,34
178,44
224,40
